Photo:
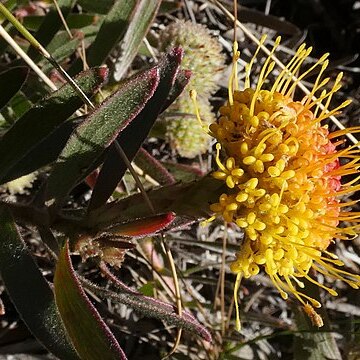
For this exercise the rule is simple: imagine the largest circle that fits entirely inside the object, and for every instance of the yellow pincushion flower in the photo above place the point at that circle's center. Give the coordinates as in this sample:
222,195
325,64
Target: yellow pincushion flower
282,172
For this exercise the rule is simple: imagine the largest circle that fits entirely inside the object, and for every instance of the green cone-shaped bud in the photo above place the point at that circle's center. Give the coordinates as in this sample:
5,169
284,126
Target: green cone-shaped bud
202,54
184,132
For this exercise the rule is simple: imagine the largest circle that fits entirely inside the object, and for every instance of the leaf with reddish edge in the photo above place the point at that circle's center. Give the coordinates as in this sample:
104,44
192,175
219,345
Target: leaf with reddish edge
29,290
142,227
89,140
151,307
89,334
42,120
182,79
132,137
182,172
112,234
153,167
190,199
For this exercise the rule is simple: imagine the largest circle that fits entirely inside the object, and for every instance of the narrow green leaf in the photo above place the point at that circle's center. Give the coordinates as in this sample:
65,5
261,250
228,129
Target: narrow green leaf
29,291
168,7
95,134
139,25
45,152
182,79
11,82
111,33
89,334
60,48
190,200
50,26
17,107
182,172
79,21
42,119
267,20
132,137
312,343
153,167
96,7
32,22
149,306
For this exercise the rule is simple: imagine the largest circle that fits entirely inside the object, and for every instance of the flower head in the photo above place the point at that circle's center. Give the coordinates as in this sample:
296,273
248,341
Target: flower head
283,173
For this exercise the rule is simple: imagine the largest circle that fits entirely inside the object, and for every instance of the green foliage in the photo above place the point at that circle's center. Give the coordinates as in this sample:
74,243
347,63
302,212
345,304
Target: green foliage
96,133
30,291
89,334
39,123
62,143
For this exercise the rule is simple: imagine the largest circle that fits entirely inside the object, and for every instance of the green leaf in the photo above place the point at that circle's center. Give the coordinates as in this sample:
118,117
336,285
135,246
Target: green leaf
111,33
11,82
30,292
190,200
17,107
132,137
182,172
89,334
78,21
96,7
33,22
45,152
145,12
42,119
182,79
149,306
153,167
97,132
50,26
60,48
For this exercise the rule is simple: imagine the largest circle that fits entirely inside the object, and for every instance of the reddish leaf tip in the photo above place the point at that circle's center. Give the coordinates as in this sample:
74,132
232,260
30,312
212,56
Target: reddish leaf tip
103,72
169,217
187,73
177,52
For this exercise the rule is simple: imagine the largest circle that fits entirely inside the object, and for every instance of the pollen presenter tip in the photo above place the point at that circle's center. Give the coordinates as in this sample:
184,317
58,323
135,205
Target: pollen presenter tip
283,176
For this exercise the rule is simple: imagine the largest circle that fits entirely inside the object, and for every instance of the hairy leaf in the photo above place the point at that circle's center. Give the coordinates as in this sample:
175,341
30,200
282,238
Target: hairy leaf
30,292
89,334
132,137
142,227
190,200
151,307
153,167
96,133
41,120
